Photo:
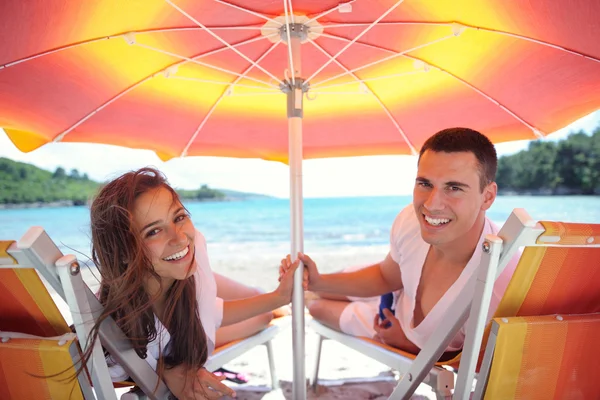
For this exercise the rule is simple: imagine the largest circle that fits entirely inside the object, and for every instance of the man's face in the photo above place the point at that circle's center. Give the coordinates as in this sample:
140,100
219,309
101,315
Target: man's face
448,199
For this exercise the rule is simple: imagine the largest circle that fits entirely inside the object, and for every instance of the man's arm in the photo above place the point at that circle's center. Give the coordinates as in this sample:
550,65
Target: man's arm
375,280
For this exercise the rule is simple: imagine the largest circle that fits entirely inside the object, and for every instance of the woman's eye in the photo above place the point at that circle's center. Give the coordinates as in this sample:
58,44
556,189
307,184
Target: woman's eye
152,232
181,217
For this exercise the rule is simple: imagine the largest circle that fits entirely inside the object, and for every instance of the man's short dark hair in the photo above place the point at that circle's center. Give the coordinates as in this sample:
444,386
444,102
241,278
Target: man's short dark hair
456,140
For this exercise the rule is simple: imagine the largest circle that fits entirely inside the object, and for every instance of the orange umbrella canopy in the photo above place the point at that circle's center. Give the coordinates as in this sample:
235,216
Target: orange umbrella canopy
204,77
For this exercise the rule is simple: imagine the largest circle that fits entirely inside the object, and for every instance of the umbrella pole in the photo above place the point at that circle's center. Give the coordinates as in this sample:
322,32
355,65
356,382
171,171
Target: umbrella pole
295,114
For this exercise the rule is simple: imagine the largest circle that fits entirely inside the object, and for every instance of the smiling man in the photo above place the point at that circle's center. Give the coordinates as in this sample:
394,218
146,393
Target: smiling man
435,246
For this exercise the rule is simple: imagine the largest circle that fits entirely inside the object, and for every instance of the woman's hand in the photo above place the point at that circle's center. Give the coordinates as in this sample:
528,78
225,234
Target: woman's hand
310,275
189,384
286,280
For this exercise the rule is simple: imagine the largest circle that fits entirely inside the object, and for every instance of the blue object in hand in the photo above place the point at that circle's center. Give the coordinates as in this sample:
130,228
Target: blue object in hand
387,301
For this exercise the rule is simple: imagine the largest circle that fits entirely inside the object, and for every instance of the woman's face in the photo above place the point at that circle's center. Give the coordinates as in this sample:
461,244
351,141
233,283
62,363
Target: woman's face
168,233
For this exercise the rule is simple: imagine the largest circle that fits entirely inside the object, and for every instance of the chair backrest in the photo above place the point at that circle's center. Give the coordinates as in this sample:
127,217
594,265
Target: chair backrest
558,275
556,280
546,357
35,250
32,364
25,304
39,368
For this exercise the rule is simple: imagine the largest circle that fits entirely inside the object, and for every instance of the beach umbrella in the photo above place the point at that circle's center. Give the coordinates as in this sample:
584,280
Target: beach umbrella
291,80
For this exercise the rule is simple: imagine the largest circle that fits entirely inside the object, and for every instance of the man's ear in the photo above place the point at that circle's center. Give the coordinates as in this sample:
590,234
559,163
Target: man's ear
489,195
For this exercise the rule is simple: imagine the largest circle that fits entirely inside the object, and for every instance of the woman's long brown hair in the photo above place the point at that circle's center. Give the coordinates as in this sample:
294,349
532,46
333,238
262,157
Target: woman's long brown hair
121,257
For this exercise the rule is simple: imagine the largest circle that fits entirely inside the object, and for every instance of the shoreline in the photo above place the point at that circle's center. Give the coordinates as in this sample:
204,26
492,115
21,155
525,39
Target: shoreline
71,203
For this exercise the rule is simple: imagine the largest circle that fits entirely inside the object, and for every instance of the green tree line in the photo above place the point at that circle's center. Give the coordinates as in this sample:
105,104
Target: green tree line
22,183
204,193
25,183
569,166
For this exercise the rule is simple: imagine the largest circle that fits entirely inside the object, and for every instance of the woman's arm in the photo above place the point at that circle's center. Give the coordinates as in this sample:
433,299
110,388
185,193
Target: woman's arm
239,310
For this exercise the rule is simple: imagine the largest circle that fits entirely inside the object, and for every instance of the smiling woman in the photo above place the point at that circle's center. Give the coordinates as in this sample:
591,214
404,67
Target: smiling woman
156,283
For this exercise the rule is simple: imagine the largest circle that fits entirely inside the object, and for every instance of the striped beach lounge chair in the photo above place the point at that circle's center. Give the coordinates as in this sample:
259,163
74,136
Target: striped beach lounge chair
39,354
543,342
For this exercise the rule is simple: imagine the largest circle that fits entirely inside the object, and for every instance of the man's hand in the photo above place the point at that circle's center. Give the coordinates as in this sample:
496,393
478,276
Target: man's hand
389,331
311,275
188,384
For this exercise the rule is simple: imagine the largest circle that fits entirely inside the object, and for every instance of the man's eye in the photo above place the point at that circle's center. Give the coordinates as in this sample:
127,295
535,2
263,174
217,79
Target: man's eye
424,184
455,188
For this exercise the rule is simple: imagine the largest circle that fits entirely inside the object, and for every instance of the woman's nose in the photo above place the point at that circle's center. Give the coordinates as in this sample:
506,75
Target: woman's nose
178,235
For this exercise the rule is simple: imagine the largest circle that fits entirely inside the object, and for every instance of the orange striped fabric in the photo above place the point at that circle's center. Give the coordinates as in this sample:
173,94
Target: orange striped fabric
26,306
569,233
542,357
568,281
554,280
28,366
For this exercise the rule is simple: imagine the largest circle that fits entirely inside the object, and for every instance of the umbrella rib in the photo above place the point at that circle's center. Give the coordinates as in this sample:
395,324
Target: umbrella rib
536,132
120,35
392,8
337,92
383,23
394,55
490,30
214,28
194,61
220,39
326,12
529,39
61,135
185,78
291,11
56,50
373,79
289,42
255,94
383,106
246,10
221,97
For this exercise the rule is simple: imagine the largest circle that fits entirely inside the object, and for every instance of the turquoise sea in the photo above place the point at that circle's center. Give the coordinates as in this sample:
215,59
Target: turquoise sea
248,238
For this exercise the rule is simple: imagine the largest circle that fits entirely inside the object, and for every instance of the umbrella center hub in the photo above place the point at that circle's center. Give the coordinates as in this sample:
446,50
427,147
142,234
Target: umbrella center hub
301,27
295,31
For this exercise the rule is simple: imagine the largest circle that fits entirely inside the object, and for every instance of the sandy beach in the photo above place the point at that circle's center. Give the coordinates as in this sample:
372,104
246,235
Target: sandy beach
343,374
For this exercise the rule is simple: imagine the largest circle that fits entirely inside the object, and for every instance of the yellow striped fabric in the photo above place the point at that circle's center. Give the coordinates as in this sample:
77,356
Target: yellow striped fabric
39,369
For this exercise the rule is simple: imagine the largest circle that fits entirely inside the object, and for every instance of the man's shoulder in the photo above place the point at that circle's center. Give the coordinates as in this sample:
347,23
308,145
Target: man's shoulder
405,219
490,226
406,227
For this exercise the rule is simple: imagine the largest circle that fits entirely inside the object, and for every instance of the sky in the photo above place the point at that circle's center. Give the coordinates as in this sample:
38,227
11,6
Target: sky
332,177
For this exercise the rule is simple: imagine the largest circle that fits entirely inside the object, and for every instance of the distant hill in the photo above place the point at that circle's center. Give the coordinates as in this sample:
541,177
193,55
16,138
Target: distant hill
22,183
25,185
235,195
